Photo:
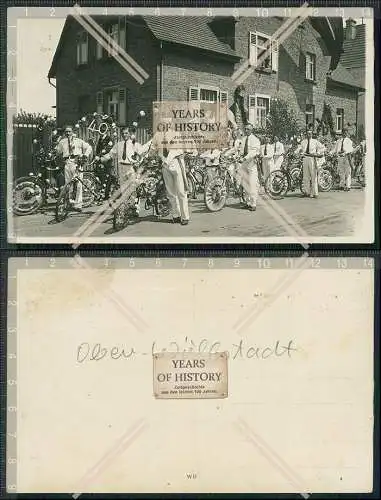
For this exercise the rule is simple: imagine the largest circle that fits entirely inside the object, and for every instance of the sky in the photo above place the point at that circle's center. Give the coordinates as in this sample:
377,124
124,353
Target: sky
37,40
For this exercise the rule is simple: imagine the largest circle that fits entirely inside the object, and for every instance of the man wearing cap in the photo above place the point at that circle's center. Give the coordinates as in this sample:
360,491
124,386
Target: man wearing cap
250,148
124,155
343,148
311,149
71,148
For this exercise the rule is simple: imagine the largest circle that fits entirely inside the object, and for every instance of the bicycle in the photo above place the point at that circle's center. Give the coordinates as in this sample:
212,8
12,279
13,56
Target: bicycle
31,192
196,175
91,190
151,187
224,184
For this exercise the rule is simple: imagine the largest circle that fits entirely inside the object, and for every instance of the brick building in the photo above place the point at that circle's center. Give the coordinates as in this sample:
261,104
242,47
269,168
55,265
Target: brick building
353,59
194,58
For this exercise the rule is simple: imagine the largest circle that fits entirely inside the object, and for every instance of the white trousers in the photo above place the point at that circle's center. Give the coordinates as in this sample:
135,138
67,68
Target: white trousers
174,184
310,176
249,181
278,160
344,169
70,170
268,167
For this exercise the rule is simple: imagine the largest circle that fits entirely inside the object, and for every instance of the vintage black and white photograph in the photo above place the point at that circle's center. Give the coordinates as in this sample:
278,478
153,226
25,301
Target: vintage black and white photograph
190,125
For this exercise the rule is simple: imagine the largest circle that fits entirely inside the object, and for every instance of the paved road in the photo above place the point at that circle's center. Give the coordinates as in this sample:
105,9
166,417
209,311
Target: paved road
332,214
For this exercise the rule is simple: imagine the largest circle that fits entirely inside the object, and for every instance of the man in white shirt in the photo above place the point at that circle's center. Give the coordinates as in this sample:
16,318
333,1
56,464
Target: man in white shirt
267,154
71,148
250,148
124,155
343,148
311,149
278,153
174,174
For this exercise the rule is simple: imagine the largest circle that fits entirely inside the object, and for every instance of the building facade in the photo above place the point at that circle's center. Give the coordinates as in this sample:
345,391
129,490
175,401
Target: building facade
196,58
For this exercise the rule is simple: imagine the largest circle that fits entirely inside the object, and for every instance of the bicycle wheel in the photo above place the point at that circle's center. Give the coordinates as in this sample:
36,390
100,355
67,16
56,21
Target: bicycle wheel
28,196
91,189
200,180
191,187
325,180
63,203
277,185
215,194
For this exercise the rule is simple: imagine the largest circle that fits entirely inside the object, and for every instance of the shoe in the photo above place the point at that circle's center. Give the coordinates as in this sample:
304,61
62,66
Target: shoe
314,196
346,189
185,222
252,209
176,220
76,209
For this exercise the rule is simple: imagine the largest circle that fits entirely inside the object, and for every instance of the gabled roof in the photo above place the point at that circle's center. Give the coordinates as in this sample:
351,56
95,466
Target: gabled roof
187,30
191,31
353,55
344,77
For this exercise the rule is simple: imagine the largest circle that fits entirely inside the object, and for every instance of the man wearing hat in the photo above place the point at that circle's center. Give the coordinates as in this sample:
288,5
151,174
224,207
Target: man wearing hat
71,148
311,149
343,148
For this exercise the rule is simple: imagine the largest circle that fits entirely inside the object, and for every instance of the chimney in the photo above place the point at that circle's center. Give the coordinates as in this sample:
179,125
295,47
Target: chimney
350,29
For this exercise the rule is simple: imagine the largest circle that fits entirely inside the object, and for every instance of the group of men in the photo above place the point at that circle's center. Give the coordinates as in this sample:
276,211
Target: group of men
271,153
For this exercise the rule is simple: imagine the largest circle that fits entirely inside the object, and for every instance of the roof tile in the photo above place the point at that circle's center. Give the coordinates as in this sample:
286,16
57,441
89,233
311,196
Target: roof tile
188,30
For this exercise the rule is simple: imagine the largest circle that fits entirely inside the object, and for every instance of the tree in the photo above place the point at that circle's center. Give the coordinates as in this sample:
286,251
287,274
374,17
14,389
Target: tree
281,120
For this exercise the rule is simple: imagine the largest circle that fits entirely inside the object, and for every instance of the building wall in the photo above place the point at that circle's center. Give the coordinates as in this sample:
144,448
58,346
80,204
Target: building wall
182,71
184,67
74,82
340,97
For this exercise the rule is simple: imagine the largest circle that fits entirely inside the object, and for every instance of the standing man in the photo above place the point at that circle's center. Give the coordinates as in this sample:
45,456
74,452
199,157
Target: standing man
70,148
343,148
174,174
267,154
124,154
250,148
311,149
278,153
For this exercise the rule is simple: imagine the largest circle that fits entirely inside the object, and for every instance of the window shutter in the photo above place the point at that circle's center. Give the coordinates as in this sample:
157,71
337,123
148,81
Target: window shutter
78,52
100,102
194,94
252,110
85,47
122,33
99,51
274,55
303,64
122,106
252,49
223,97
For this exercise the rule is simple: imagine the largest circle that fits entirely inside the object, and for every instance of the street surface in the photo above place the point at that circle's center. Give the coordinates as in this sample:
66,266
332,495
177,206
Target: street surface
332,214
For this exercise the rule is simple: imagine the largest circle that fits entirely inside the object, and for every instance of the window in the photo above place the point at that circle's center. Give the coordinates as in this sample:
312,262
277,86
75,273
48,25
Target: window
117,32
310,66
207,94
82,48
339,120
99,51
263,51
259,107
113,102
310,115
